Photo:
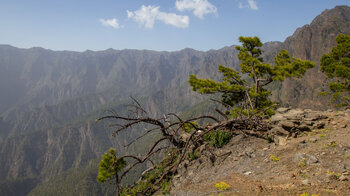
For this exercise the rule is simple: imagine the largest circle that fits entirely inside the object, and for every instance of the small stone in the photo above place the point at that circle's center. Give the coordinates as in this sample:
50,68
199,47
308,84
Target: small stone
333,123
306,182
323,116
323,153
320,125
202,148
265,149
313,140
241,154
310,159
280,140
293,176
343,126
248,173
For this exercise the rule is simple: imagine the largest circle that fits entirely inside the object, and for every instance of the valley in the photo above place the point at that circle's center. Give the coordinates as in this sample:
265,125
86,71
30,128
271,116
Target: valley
50,143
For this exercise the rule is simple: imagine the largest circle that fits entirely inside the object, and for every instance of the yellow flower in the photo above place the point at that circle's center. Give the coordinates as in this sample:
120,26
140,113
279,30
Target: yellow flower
222,186
273,158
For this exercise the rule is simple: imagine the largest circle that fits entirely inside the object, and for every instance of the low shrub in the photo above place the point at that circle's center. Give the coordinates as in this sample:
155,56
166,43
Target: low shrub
218,138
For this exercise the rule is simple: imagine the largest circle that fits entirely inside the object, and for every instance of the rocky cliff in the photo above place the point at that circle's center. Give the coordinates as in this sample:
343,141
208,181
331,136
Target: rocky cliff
311,42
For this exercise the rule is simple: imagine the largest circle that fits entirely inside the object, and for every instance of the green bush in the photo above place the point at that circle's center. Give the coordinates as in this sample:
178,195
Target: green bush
151,177
218,138
193,156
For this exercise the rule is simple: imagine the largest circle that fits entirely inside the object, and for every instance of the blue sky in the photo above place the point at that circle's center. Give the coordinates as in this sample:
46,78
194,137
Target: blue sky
168,25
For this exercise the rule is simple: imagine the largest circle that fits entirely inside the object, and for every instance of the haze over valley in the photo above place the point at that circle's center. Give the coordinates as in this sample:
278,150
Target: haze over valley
50,143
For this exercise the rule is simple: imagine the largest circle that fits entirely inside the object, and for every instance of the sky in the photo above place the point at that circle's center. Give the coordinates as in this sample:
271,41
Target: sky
161,25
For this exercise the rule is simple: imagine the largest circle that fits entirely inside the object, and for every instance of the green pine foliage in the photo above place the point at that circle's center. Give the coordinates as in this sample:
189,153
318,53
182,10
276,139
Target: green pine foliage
336,65
218,138
246,95
190,126
151,180
109,166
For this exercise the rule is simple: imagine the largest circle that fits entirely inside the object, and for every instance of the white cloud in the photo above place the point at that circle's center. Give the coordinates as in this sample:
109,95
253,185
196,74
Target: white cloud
253,5
173,19
111,22
199,7
147,15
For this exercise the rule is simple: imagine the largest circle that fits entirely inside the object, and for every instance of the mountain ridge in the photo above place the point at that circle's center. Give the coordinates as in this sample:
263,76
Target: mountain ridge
47,85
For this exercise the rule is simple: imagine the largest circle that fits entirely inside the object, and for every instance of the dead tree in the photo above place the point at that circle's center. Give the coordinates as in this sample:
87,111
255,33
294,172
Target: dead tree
173,138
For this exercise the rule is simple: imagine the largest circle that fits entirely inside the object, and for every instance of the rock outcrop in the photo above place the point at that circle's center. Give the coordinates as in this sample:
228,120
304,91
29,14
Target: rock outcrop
310,42
291,122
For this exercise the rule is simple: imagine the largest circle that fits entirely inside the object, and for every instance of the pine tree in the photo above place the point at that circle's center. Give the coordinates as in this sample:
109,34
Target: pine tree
248,95
336,65
109,167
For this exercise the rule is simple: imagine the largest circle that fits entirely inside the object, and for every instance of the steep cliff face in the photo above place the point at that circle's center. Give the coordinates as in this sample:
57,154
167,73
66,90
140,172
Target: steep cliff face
36,77
311,42
50,100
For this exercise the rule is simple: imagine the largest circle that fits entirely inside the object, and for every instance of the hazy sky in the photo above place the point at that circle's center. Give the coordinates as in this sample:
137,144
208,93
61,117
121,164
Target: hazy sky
151,24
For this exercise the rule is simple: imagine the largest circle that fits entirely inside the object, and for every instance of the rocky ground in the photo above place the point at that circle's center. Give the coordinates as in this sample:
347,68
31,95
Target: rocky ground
308,153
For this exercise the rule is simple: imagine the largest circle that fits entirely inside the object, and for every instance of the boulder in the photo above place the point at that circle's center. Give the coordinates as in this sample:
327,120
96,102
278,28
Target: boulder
280,140
287,125
310,159
279,131
304,127
277,118
282,110
319,125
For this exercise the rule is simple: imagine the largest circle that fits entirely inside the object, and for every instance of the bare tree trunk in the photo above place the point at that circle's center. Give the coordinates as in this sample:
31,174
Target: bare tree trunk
256,86
117,184
256,91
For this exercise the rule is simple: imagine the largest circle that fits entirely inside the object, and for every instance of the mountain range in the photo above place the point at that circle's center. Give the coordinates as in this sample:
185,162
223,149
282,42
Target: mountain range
49,141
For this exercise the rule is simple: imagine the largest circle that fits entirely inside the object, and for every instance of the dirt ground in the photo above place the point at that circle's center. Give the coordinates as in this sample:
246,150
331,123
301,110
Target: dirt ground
315,162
